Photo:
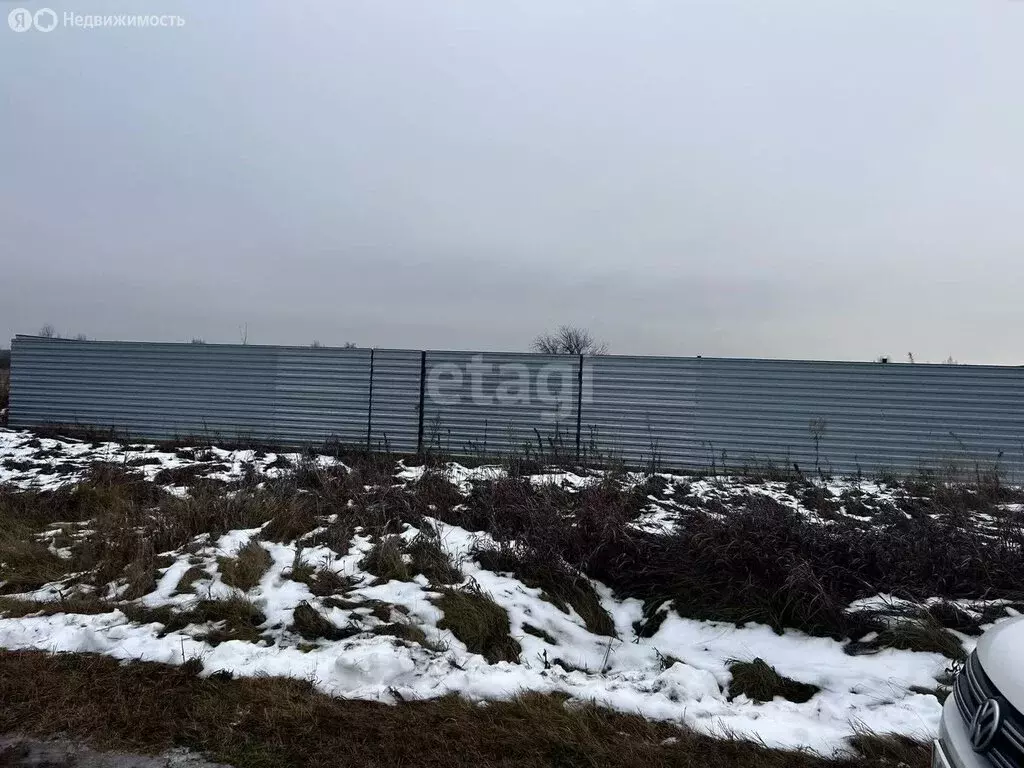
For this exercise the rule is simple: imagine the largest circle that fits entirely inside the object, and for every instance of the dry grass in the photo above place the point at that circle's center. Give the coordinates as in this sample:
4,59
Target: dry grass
408,632
431,560
313,625
235,618
296,518
322,581
232,618
385,560
560,585
183,476
25,563
5,387
540,633
761,682
14,608
245,570
895,751
186,584
480,623
761,562
275,723
922,633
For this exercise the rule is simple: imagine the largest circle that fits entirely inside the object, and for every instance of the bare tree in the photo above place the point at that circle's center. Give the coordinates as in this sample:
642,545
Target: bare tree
81,337
349,345
569,340
48,332
316,344
197,340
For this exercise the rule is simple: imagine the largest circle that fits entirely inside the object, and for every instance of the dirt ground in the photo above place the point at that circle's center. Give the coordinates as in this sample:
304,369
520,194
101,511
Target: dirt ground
26,752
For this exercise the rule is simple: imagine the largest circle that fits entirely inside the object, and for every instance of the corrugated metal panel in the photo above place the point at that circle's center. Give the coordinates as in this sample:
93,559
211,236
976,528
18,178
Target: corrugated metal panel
321,394
640,409
680,412
154,391
396,400
865,416
490,403
293,395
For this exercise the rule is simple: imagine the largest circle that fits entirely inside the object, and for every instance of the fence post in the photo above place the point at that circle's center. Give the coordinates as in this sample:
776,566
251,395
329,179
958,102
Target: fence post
579,407
423,389
369,412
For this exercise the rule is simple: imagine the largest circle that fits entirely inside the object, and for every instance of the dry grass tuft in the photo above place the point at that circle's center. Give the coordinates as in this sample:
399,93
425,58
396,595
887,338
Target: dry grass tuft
186,584
296,518
322,582
561,586
245,570
181,476
890,750
760,682
431,560
236,617
27,564
408,632
434,494
922,633
385,560
14,608
480,623
538,632
312,625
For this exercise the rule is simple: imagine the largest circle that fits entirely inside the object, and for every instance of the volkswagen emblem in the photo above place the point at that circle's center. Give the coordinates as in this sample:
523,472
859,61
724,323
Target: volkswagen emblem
985,725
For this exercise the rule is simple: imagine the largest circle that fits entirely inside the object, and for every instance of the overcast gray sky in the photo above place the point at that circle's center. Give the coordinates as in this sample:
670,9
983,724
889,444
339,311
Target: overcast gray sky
764,178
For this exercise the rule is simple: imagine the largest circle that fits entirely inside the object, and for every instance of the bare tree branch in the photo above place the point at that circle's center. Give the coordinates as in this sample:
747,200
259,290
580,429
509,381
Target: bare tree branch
568,340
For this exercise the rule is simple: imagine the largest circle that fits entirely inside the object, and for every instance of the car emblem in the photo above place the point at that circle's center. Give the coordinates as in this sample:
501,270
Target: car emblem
985,725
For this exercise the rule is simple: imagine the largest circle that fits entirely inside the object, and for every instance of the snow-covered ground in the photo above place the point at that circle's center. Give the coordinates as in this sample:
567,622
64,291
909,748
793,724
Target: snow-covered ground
679,674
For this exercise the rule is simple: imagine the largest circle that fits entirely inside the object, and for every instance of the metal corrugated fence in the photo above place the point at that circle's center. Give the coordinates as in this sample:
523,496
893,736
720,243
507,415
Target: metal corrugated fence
672,412
494,403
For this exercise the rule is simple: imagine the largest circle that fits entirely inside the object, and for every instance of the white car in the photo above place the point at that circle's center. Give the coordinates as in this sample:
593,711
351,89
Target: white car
983,719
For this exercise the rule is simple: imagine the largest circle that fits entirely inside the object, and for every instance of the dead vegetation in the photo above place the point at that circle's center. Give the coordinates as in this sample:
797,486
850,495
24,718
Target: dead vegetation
429,559
186,584
271,722
740,557
761,682
231,618
920,632
480,623
313,625
736,557
558,584
322,581
244,570
296,518
385,560
5,392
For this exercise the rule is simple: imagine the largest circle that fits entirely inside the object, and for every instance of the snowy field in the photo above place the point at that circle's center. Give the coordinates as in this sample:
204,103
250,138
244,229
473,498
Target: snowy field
391,642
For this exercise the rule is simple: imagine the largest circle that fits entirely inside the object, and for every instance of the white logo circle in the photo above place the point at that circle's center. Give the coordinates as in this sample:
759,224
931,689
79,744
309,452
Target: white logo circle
20,20
45,19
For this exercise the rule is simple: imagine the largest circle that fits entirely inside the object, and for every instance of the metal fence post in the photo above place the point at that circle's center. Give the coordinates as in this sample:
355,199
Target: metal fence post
579,407
423,390
369,411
